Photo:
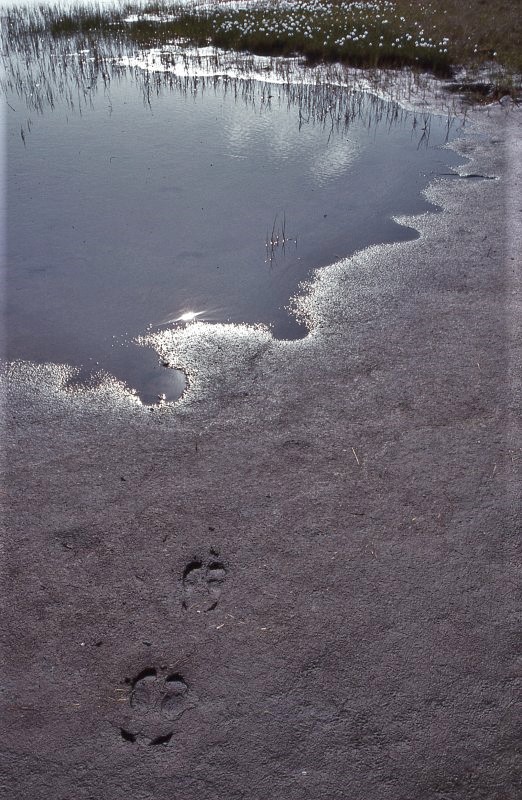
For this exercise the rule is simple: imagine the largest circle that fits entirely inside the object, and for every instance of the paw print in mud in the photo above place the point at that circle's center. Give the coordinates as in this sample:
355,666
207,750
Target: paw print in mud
202,584
155,701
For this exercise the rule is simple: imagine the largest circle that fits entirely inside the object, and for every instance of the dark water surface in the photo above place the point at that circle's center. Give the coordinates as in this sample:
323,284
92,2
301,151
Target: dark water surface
124,217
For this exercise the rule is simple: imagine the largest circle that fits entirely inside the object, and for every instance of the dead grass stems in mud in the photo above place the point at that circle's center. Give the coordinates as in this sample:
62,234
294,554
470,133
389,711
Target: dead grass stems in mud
484,37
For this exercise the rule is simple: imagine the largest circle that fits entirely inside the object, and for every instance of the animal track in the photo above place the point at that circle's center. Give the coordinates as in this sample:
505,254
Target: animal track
202,583
155,701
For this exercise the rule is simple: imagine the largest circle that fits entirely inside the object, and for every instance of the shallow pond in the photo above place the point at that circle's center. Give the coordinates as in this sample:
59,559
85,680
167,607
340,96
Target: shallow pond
128,209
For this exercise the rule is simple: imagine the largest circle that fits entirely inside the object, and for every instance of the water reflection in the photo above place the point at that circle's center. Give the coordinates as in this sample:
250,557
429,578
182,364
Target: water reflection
188,316
144,186
42,69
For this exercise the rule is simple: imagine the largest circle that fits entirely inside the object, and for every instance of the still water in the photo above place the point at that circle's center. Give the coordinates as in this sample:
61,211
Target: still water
128,210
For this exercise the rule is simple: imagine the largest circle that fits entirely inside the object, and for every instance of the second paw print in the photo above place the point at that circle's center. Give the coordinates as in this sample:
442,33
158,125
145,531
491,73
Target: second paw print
202,583
155,701
166,695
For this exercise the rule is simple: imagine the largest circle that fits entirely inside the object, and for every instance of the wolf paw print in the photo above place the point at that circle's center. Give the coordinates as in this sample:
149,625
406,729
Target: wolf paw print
202,584
155,700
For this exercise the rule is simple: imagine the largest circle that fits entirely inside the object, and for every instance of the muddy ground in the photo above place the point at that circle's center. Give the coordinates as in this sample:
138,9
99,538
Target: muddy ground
300,582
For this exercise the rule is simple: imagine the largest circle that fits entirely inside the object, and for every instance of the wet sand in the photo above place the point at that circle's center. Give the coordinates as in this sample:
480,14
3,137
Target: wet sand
299,582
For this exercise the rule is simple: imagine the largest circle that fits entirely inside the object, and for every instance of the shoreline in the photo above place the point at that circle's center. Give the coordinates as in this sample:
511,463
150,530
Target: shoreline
358,488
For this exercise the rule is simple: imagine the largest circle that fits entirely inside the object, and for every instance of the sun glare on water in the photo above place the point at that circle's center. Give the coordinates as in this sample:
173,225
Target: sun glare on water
189,316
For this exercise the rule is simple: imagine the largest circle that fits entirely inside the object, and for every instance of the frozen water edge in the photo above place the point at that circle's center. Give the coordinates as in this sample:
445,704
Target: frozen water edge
205,351
226,359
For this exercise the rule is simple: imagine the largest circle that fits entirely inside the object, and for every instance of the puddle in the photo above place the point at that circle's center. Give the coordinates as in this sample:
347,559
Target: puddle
132,212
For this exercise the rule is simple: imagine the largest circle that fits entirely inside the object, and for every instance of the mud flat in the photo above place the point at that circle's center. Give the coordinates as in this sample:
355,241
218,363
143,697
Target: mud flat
299,582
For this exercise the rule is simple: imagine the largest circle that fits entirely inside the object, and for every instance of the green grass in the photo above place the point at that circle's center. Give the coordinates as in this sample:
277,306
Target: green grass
434,36
478,30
